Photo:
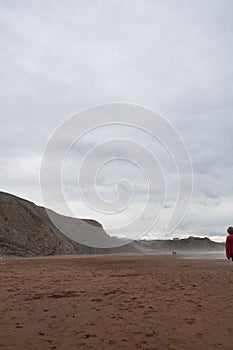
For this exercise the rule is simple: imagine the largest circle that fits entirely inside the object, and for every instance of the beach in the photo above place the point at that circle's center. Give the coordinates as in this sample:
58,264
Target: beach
116,302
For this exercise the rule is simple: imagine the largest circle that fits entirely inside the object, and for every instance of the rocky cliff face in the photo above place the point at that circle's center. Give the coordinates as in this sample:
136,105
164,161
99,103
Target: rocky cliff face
26,230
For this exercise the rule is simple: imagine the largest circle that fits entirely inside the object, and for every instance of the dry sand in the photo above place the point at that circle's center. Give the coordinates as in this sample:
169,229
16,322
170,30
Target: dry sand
116,302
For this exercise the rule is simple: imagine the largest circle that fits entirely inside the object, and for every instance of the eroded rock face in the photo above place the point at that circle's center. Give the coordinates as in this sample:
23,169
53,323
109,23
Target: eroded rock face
26,230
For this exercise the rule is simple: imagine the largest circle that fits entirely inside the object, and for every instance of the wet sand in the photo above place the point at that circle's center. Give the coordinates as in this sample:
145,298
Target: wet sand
116,302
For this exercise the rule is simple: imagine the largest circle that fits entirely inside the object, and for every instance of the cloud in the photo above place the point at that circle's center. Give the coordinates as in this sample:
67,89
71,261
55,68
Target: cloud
172,56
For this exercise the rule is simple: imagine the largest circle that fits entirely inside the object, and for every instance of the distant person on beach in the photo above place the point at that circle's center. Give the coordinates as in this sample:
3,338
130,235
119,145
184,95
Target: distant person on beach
229,243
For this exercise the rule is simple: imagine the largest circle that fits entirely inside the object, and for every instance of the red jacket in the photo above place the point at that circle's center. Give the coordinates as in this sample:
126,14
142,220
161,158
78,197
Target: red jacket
229,246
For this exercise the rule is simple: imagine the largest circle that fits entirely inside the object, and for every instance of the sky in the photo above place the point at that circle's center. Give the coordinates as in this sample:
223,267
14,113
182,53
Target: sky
173,57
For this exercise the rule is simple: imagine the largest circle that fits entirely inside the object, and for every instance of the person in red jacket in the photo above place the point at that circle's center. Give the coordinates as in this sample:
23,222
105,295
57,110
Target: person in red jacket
229,243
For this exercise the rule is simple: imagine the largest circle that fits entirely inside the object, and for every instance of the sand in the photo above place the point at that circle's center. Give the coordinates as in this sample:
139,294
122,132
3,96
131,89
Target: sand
116,302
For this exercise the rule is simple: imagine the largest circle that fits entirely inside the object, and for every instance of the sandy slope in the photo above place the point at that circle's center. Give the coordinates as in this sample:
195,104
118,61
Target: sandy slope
116,302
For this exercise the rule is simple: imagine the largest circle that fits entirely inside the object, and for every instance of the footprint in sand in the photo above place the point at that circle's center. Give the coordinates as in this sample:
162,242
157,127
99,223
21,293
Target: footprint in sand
191,321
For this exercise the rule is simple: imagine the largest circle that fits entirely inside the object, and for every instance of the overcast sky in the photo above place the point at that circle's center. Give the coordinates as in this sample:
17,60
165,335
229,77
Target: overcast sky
174,57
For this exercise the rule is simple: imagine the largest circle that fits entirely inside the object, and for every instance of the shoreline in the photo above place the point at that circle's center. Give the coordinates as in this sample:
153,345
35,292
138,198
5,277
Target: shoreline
190,255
